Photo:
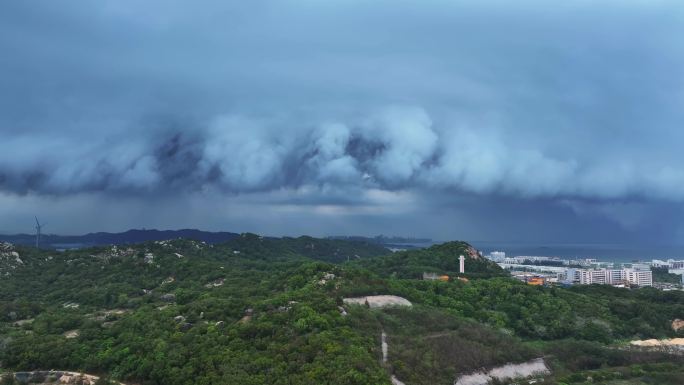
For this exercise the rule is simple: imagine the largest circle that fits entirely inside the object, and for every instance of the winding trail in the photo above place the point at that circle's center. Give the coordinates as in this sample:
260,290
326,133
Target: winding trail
385,354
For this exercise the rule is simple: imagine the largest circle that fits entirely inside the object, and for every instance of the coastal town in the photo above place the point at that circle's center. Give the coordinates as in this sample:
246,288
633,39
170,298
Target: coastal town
546,270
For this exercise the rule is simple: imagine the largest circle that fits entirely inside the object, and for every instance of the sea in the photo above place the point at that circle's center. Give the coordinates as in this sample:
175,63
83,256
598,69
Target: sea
604,252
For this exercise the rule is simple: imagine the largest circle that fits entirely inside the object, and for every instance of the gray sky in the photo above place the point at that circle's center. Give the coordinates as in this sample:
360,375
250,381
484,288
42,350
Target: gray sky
489,120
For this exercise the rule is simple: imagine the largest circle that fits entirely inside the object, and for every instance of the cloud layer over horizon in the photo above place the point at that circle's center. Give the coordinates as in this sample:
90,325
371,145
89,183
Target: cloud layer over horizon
349,105
391,149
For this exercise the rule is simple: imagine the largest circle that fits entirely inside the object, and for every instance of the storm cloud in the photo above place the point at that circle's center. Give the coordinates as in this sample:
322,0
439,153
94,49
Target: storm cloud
391,149
360,105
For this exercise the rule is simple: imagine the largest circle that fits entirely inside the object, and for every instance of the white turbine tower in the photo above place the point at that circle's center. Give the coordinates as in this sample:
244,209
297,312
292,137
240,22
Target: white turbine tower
38,228
461,259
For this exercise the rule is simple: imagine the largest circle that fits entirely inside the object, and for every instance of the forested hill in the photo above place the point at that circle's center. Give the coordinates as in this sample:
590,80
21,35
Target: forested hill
329,250
258,310
127,237
441,259
332,250
161,312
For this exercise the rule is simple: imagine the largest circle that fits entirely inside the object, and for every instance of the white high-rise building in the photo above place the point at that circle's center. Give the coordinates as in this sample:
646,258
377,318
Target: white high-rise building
591,276
670,263
616,276
568,276
501,254
497,256
636,275
639,277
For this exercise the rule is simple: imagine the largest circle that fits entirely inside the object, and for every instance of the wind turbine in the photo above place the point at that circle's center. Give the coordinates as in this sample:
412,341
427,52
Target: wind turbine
38,228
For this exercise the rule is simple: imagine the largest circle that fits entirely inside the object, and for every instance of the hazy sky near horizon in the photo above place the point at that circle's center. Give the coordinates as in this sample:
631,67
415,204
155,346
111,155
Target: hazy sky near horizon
480,120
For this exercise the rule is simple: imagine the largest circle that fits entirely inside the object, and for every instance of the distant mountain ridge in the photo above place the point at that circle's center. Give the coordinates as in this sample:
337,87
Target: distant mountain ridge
127,237
382,239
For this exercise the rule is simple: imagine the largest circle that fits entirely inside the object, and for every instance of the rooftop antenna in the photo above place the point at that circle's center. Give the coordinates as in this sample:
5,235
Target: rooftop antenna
38,228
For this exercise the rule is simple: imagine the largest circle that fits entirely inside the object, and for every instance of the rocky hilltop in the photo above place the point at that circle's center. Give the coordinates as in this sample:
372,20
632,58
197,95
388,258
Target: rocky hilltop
9,258
438,259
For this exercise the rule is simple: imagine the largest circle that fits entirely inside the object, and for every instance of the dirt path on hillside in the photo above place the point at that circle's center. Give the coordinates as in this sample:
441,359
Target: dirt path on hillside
385,354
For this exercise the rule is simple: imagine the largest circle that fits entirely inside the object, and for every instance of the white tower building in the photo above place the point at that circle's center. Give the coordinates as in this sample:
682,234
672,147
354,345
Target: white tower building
461,259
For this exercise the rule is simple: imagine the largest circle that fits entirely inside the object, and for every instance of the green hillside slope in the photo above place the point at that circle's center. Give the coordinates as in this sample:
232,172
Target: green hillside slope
258,310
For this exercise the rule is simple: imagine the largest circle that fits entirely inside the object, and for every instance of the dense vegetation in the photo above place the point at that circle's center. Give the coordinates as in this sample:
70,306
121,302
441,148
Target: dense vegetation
260,310
127,237
662,274
441,259
431,346
174,319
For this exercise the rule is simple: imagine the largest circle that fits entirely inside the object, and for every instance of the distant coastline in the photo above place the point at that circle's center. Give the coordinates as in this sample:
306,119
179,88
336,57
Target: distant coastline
621,253
603,252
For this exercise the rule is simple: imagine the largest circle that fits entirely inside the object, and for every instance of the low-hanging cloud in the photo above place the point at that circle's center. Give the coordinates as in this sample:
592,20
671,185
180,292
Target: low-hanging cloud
394,148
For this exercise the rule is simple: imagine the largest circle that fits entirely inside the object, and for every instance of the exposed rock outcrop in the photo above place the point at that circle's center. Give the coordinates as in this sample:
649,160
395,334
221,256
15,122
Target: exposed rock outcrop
379,301
473,253
9,258
659,343
55,377
536,367
169,297
115,252
71,334
216,283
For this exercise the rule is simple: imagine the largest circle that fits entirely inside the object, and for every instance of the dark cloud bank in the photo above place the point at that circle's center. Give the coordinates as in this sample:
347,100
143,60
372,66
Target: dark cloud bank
392,149
438,118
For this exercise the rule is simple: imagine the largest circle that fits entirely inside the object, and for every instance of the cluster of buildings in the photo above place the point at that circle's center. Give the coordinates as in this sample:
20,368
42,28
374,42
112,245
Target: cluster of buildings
636,275
672,266
500,257
542,270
